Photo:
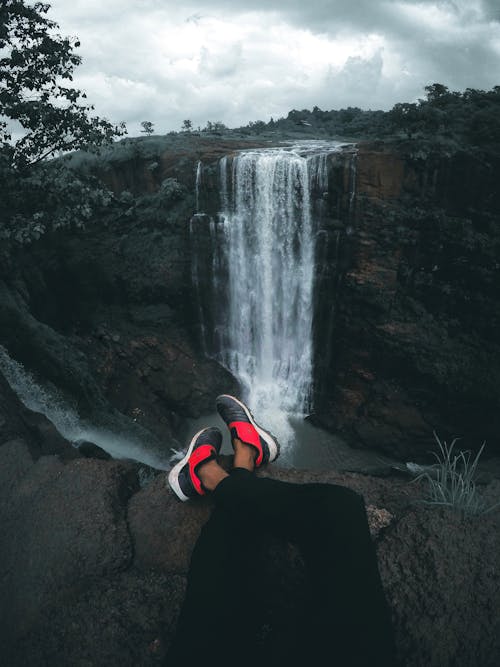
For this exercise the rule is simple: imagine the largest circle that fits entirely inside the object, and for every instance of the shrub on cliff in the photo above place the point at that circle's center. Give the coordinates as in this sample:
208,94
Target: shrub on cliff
451,481
49,197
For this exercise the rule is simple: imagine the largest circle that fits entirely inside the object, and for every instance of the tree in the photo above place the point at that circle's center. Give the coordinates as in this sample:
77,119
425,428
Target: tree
36,66
187,125
436,91
42,116
257,126
147,127
407,117
216,127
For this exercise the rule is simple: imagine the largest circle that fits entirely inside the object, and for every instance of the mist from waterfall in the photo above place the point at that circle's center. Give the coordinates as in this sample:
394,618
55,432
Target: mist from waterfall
263,250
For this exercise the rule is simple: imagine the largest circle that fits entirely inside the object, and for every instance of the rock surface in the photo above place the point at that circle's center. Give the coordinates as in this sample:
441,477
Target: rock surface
62,525
414,325
93,567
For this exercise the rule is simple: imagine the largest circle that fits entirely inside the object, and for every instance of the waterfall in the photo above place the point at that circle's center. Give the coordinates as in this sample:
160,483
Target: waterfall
270,256
199,172
263,254
352,185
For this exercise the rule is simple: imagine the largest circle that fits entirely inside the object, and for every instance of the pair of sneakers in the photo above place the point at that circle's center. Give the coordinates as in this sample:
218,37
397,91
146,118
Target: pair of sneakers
206,445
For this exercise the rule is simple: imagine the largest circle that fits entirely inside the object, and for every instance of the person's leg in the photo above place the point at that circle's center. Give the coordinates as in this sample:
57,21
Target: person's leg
212,626
217,622
351,618
341,556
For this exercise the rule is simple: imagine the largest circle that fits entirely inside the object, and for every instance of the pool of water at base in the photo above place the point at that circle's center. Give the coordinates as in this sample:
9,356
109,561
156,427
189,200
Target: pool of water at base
303,446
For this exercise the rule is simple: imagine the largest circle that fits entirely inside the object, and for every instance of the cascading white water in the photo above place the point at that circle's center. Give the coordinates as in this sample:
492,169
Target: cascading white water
270,255
199,172
263,275
66,419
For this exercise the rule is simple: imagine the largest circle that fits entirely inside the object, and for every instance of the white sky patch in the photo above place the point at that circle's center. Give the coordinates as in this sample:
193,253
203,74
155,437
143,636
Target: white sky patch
237,61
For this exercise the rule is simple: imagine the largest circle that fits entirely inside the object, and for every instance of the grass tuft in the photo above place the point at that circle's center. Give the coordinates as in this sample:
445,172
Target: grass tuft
451,481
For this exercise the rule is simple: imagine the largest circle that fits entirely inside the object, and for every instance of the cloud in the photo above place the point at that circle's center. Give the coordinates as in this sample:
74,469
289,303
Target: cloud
239,61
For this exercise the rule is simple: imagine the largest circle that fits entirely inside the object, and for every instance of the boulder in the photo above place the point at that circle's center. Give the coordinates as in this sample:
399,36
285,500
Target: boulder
93,567
62,526
440,573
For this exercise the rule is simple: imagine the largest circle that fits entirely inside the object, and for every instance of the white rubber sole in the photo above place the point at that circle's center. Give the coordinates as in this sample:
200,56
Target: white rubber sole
272,444
173,475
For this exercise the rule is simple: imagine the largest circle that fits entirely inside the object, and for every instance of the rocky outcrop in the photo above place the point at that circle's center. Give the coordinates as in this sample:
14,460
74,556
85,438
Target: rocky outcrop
106,314
416,316
93,567
451,561
93,558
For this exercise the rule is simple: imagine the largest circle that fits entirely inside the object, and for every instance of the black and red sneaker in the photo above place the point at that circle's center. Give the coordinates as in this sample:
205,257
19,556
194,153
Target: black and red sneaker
183,477
242,426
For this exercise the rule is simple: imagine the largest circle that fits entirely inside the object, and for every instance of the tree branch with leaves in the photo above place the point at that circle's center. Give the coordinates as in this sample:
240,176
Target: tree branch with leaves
40,114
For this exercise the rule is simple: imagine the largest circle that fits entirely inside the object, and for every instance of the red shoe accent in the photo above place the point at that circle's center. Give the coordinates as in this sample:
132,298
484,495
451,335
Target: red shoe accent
200,454
247,433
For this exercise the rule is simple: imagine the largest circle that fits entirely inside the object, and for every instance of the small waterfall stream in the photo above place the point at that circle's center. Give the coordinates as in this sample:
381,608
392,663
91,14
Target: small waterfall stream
262,283
49,402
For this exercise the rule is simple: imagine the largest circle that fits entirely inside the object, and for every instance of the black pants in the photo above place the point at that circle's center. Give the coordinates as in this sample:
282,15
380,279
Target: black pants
346,622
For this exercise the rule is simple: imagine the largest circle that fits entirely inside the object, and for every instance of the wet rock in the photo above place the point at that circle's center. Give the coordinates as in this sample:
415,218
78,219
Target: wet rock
44,351
91,451
154,376
40,435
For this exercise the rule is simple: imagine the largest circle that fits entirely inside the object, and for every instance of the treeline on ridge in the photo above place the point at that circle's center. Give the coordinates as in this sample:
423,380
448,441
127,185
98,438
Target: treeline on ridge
469,117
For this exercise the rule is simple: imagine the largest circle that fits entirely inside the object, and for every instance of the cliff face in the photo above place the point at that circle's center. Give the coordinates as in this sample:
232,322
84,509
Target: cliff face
407,307
415,334
105,314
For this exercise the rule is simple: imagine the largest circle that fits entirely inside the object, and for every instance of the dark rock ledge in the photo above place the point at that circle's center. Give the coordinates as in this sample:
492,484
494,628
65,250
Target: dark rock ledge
93,567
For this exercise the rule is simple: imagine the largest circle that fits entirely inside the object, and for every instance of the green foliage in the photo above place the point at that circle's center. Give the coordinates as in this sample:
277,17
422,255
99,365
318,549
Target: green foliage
43,116
452,480
258,126
216,127
147,127
449,119
187,125
469,118
49,197
36,66
171,190
406,117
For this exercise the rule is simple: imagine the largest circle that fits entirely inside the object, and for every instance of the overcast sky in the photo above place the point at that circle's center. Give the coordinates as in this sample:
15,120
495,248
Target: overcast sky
240,60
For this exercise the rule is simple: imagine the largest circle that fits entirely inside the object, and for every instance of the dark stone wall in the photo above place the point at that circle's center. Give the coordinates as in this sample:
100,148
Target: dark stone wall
415,336
107,314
